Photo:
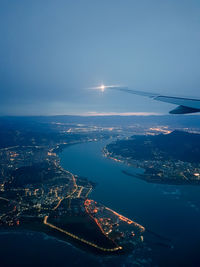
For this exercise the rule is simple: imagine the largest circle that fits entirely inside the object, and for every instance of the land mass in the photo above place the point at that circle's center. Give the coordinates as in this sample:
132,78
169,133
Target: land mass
36,193
172,158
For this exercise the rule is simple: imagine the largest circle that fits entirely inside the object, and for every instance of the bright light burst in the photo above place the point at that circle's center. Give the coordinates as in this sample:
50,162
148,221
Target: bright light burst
103,87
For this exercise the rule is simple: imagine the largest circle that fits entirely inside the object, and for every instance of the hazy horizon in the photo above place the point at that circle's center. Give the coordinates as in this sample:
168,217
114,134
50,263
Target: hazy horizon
52,52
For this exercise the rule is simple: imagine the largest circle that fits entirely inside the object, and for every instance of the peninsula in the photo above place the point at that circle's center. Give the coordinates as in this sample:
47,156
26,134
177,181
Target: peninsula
172,158
36,193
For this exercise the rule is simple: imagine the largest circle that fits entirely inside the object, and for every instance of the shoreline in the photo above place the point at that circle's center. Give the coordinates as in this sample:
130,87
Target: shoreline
39,225
107,154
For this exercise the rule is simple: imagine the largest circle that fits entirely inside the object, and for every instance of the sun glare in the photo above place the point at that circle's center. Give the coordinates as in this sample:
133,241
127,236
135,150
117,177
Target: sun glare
102,87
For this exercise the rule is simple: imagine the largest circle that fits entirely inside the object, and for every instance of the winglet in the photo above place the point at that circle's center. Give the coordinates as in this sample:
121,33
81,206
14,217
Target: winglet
185,105
184,110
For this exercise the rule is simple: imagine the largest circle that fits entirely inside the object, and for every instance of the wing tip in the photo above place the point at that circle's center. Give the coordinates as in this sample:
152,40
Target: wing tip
184,110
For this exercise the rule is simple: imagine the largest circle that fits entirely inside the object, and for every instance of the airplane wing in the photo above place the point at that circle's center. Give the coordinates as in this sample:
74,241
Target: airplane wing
185,105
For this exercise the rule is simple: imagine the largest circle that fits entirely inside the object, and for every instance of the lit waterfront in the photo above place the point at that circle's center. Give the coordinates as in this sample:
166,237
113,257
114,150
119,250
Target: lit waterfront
171,211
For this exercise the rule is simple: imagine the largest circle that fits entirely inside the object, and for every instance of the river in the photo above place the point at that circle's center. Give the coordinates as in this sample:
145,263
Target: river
170,211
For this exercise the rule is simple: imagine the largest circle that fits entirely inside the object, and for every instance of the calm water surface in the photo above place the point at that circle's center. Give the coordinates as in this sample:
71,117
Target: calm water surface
170,211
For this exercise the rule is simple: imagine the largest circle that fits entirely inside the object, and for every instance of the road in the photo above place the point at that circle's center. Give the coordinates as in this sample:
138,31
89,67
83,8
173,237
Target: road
80,239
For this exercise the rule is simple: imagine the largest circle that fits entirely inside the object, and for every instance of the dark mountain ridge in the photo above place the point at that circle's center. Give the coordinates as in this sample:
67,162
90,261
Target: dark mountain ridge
178,145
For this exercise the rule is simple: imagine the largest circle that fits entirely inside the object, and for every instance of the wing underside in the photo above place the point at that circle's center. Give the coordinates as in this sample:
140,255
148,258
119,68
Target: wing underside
185,105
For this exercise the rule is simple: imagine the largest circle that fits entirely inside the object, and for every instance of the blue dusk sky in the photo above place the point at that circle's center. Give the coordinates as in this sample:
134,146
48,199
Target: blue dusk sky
51,52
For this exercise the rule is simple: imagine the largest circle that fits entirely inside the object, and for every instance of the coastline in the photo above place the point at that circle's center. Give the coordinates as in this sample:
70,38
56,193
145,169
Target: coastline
142,176
40,225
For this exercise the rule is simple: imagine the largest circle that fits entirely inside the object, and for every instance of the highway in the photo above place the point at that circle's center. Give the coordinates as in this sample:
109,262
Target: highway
73,191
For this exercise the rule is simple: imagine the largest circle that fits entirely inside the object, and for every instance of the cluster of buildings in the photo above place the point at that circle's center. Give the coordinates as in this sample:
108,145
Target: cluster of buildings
36,200
115,226
30,199
159,168
13,158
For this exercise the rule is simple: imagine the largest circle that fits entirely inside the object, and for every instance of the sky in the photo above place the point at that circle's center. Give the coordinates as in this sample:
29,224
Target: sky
51,52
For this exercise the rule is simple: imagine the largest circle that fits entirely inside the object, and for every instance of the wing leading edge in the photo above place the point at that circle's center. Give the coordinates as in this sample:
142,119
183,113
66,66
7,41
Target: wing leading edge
185,105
